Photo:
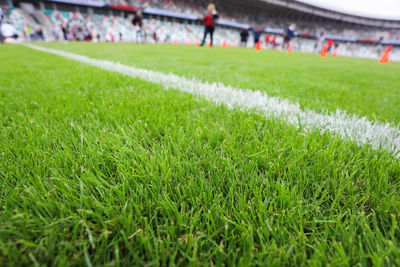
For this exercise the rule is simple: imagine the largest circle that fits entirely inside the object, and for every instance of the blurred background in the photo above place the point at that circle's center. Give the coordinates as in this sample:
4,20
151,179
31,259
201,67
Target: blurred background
252,23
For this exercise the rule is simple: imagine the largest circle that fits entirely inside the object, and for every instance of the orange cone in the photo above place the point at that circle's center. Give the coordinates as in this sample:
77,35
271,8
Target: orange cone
335,52
289,50
197,43
223,44
324,50
228,45
175,42
258,46
385,56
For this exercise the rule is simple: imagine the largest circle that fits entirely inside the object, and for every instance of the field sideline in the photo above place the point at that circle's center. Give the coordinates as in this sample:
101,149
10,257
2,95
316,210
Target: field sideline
103,169
358,86
360,130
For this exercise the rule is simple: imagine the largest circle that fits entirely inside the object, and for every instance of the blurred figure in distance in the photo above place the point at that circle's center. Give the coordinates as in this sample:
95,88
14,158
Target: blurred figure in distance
319,42
138,23
289,35
273,42
244,37
257,32
8,32
153,30
1,19
330,45
267,39
209,23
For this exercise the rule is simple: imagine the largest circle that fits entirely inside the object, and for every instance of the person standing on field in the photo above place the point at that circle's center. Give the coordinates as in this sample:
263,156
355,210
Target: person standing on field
267,39
273,42
153,30
330,45
257,31
138,24
244,37
209,23
289,35
319,42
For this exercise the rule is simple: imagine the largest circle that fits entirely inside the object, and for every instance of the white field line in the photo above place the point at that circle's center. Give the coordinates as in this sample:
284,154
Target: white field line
350,127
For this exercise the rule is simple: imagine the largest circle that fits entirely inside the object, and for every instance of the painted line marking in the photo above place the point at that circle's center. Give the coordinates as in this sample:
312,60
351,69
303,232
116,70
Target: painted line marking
380,136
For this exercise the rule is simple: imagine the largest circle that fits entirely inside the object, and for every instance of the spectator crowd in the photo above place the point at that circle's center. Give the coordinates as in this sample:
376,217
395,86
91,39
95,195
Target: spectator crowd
121,27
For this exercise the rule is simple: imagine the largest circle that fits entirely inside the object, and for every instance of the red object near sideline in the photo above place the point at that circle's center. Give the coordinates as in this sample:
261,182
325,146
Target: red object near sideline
335,52
267,38
324,50
258,46
330,43
385,56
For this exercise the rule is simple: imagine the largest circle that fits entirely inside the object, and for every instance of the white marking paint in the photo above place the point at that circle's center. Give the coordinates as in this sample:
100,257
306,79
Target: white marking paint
350,127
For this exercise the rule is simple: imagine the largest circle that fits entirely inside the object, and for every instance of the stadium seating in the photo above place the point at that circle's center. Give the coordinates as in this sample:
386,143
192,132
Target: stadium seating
116,28
100,27
109,28
12,15
197,8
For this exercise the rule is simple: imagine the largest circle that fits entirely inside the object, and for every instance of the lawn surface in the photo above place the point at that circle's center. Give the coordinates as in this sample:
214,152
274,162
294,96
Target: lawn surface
102,169
358,86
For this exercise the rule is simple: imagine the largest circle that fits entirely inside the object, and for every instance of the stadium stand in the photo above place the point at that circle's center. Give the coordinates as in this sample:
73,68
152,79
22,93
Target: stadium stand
177,21
12,15
271,21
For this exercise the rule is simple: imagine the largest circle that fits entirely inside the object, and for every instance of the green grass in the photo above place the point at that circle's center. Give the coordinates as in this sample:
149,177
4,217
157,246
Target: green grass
102,169
358,86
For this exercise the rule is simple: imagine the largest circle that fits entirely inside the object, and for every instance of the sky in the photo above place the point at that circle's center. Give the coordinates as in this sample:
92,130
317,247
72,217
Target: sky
380,9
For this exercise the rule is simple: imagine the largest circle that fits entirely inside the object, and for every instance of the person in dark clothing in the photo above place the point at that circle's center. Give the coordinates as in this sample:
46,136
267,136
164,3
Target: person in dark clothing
380,48
244,37
39,34
257,31
138,23
64,30
138,20
209,23
289,35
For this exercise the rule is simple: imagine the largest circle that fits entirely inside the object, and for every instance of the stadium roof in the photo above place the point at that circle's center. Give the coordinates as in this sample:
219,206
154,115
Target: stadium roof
331,10
382,9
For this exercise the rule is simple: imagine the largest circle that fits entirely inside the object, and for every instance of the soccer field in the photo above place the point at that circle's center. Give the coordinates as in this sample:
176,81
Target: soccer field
101,168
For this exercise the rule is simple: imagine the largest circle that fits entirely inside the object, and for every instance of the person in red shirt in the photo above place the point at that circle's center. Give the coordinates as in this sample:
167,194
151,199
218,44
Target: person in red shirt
209,23
267,39
274,42
330,45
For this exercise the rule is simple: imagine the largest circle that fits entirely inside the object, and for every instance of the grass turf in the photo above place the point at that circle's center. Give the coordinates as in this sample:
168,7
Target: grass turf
358,86
98,168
